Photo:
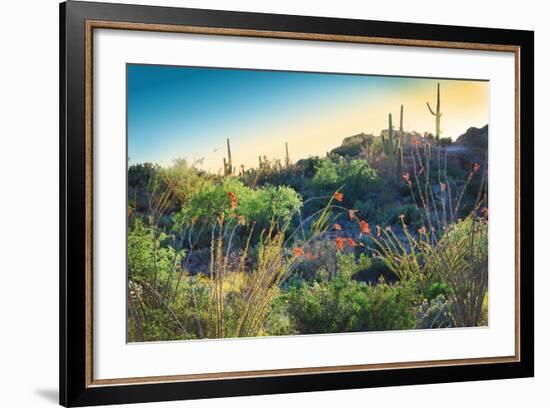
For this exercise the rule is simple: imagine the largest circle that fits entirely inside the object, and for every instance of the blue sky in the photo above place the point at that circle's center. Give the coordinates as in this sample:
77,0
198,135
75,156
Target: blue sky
176,112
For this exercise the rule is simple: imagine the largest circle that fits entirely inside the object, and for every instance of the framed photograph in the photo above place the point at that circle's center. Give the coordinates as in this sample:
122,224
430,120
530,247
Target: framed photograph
256,204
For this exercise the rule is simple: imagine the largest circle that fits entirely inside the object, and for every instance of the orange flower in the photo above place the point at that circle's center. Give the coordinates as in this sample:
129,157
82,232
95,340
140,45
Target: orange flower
339,243
476,167
339,196
351,242
352,213
310,256
233,199
298,251
337,227
365,229
422,230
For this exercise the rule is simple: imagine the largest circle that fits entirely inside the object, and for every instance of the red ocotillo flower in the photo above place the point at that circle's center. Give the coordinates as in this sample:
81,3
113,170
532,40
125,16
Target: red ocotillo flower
337,227
339,196
233,198
339,243
351,242
365,229
298,251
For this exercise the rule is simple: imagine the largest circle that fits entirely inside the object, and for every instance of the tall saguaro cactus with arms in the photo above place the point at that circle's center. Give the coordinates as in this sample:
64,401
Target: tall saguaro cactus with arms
393,151
437,115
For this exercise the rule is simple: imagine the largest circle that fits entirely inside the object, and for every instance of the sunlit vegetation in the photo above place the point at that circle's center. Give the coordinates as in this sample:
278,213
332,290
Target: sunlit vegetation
371,237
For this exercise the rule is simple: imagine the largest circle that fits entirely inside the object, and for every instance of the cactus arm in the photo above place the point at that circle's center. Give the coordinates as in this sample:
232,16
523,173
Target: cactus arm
430,109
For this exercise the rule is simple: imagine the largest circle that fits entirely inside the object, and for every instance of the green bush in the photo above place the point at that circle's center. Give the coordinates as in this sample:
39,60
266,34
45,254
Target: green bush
140,174
151,254
345,305
356,177
260,206
414,216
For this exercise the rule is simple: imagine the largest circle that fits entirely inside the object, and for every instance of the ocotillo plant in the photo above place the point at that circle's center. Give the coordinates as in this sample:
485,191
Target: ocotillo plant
393,151
228,164
437,115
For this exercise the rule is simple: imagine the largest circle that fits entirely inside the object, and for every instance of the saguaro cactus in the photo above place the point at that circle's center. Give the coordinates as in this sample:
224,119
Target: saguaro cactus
287,157
228,164
401,120
393,151
437,115
399,164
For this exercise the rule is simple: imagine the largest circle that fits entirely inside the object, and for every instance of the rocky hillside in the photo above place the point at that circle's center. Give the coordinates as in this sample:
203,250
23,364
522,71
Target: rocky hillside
475,137
470,147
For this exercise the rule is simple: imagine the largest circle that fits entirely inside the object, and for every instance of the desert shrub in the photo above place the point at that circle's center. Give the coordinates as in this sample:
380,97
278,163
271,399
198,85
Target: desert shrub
140,174
261,206
278,321
274,173
345,305
325,261
460,260
392,306
152,317
184,179
436,289
328,307
356,177
375,270
413,216
151,253
445,141
435,313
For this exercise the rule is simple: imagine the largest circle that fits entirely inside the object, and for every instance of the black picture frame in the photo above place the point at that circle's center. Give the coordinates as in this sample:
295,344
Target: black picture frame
75,389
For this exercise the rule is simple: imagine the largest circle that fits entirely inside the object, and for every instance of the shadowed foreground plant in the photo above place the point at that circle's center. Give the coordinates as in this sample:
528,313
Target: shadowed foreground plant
458,259
261,284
